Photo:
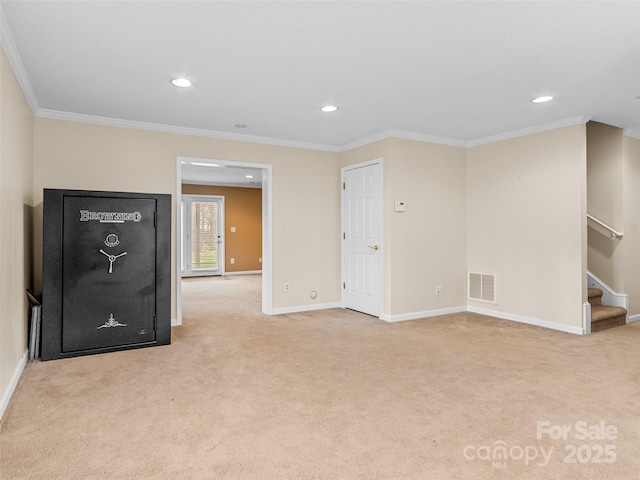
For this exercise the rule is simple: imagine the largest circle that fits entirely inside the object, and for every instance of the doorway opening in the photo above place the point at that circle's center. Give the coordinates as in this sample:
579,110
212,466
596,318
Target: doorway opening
227,174
203,235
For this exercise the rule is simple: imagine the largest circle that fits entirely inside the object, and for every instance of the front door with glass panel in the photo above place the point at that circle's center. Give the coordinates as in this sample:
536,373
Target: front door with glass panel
202,233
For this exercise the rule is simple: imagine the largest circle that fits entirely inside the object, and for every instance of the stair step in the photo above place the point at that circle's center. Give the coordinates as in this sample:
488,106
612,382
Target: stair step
595,296
604,316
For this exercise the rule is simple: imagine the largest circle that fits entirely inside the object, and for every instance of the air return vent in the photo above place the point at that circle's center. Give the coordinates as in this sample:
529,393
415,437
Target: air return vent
482,286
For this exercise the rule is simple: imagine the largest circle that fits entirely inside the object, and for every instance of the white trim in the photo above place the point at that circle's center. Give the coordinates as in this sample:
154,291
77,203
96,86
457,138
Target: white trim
528,320
8,393
15,60
224,184
609,296
633,318
633,132
178,250
586,318
157,127
420,137
267,241
245,272
426,314
401,134
523,132
305,308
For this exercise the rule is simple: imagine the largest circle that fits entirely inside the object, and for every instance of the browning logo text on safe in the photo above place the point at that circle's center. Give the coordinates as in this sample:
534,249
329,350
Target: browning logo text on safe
110,217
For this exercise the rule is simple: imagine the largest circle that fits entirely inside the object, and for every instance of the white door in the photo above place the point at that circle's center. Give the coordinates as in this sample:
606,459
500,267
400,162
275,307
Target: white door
362,238
202,235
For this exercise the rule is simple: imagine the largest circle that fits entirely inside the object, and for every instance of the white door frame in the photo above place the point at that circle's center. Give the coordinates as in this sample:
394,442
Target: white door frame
221,234
267,240
343,262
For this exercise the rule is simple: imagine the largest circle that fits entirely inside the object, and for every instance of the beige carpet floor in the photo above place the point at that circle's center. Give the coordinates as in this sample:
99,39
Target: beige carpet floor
331,395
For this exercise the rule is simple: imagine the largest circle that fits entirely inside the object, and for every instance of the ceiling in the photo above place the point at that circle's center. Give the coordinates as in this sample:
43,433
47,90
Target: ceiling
208,173
451,71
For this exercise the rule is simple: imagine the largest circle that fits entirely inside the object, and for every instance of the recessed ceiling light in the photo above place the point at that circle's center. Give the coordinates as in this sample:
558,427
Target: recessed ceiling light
248,176
328,108
181,82
542,99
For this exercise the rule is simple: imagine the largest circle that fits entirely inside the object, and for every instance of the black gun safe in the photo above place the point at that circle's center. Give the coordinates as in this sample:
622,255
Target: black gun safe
106,272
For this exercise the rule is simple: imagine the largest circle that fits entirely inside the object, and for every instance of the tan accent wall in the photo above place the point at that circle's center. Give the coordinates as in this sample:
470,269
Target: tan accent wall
16,210
306,254
242,210
605,201
526,223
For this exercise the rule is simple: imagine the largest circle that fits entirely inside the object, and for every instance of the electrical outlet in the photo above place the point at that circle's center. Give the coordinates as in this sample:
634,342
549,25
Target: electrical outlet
438,289
233,260
260,260
286,287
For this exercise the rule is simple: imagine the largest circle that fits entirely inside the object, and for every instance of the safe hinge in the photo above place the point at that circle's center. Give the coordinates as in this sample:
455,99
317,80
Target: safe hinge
155,323
155,219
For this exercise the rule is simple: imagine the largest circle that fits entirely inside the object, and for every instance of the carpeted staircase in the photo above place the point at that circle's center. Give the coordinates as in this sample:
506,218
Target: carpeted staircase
604,316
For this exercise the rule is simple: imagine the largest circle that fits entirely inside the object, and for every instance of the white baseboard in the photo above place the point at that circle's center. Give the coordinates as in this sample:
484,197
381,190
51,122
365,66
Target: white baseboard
247,272
305,308
416,315
528,320
484,311
633,318
6,396
175,323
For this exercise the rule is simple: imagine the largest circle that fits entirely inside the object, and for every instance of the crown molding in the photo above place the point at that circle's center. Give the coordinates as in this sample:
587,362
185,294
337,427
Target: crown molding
15,60
419,137
567,122
401,134
633,132
158,127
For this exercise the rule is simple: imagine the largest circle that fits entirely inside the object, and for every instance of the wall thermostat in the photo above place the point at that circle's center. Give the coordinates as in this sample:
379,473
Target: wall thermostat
400,206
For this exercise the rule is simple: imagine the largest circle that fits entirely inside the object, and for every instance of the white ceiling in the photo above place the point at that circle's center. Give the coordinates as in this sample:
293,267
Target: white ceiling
220,174
454,71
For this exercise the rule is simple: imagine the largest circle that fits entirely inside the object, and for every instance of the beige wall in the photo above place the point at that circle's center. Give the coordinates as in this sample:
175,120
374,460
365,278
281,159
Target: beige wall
605,193
526,209
16,202
426,245
632,223
305,188
428,241
242,210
